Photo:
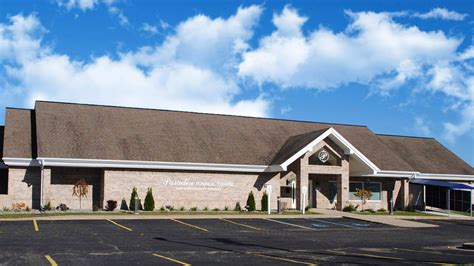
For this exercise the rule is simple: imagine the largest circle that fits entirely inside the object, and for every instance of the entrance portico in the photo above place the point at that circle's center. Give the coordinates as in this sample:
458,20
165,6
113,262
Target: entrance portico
310,165
323,167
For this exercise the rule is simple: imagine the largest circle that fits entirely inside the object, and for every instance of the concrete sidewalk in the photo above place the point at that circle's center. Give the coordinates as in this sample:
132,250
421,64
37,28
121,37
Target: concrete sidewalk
169,216
381,219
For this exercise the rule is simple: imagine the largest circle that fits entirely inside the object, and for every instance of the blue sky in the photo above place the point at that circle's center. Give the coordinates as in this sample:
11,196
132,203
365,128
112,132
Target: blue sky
398,67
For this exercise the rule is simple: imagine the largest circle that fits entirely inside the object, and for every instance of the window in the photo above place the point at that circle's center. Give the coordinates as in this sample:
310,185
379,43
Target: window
353,187
3,181
375,188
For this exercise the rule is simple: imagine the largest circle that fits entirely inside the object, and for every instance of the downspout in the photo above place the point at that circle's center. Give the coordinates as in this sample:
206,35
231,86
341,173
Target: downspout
41,184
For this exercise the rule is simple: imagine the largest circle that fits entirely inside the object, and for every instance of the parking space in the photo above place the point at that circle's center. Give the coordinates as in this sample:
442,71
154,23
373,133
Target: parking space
217,241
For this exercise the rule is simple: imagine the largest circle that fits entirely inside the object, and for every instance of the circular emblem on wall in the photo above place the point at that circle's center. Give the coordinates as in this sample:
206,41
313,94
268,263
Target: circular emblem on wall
323,156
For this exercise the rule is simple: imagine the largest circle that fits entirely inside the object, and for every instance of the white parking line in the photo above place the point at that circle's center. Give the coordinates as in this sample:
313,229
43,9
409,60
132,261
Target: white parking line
322,221
294,225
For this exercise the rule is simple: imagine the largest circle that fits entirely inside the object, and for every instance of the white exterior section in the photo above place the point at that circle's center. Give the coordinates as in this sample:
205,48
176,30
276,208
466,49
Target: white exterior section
66,162
418,175
331,133
20,161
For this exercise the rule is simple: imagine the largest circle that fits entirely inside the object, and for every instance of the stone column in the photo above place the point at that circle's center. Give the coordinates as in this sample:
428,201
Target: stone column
342,184
301,181
404,194
46,188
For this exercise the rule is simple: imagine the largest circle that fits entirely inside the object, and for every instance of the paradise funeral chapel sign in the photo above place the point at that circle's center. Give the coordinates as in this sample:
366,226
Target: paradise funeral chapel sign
188,184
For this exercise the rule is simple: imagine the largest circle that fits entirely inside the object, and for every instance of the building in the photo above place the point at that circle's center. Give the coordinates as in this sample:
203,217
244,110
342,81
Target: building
206,160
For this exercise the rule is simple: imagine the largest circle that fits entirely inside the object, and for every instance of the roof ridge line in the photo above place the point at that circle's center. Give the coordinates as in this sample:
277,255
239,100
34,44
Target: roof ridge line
199,113
404,136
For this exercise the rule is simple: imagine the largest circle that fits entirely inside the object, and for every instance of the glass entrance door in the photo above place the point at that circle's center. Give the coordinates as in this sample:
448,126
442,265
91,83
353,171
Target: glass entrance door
293,194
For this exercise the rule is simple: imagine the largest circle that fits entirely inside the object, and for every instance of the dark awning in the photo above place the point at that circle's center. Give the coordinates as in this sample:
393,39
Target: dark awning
441,184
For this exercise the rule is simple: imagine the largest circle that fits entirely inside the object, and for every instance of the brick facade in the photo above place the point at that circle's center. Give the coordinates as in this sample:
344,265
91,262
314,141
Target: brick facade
190,189
23,187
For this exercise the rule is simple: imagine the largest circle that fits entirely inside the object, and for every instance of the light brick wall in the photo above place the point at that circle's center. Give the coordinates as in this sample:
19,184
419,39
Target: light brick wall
304,169
59,183
23,187
190,189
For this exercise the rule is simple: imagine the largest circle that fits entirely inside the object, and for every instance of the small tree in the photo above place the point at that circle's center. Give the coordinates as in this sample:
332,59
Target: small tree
132,200
80,190
251,202
264,202
149,201
364,195
237,207
123,205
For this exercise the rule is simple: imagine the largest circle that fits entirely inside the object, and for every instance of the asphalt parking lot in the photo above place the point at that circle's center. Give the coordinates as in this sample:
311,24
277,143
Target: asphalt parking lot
231,241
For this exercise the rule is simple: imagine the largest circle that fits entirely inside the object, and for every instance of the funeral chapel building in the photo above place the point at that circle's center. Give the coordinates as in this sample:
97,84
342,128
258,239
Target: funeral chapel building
206,160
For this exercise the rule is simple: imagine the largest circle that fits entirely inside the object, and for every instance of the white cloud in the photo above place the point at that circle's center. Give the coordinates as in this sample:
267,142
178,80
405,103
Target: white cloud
85,5
81,4
181,81
375,51
123,20
202,41
441,13
149,29
372,45
422,127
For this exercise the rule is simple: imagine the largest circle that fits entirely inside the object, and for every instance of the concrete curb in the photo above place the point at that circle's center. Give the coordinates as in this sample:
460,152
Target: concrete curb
161,217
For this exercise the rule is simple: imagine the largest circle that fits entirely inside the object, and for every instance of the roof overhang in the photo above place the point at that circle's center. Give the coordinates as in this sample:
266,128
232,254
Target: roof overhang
26,162
418,175
337,138
125,164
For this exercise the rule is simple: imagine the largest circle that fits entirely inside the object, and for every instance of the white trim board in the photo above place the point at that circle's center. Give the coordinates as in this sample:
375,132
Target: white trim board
340,141
418,175
9,161
71,162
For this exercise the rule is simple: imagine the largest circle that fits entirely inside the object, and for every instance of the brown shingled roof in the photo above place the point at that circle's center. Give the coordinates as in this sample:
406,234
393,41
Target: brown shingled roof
427,155
18,132
103,132
295,144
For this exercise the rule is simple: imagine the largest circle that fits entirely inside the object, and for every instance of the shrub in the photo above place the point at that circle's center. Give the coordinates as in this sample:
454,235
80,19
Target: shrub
237,207
350,208
111,205
216,209
48,206
27,209
369,210
382,210
149,200
181,209
205,209
123,205
132,200
6,209
170,208
251,202
193,209
162,209
226,208
264,202
63,207
18,206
